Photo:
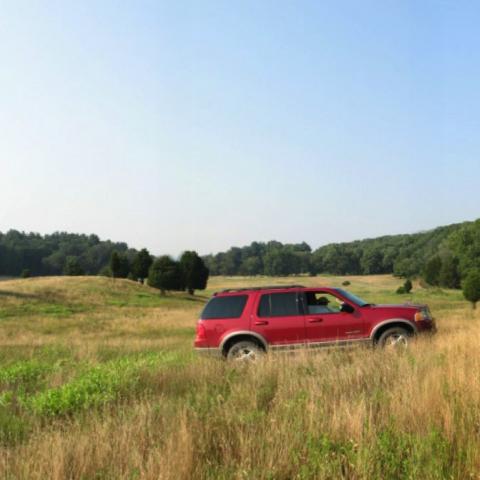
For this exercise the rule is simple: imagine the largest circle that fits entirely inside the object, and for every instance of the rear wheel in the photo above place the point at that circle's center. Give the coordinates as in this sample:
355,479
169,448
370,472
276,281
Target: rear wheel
395,338
245,351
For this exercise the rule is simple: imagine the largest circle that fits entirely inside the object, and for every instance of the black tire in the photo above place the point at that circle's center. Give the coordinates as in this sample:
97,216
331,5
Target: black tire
245,350
395,337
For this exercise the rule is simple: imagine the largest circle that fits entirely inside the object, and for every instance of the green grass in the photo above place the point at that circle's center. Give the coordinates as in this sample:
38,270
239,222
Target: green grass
91,363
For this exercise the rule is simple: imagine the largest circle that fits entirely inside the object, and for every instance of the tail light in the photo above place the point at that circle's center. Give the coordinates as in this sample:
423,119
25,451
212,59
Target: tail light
201,335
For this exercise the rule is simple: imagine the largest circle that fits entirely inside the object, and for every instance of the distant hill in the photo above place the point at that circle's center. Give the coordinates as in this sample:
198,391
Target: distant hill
404,255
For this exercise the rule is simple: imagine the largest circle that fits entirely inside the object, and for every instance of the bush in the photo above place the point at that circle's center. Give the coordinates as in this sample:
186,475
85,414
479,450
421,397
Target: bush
25,273
405,288
346,283
471,287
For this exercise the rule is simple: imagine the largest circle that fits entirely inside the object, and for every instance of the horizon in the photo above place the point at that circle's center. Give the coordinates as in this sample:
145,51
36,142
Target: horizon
179,127
312,246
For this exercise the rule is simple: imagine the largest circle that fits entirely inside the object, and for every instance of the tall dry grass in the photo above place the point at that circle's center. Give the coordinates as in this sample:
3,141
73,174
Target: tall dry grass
356,413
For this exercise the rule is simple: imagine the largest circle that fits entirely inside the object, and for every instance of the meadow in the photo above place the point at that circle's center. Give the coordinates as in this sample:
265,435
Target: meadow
98,380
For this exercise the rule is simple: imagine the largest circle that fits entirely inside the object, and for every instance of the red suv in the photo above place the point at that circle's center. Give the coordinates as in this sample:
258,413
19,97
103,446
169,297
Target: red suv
244,323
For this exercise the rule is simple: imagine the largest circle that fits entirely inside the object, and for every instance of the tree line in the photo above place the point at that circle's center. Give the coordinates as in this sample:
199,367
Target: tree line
31,254
443,256
401,255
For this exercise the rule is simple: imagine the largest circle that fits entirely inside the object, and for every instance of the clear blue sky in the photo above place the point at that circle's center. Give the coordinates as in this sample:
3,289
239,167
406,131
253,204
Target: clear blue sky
202,125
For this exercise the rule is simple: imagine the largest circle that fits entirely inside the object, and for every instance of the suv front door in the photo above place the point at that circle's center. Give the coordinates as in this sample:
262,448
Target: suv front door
325,322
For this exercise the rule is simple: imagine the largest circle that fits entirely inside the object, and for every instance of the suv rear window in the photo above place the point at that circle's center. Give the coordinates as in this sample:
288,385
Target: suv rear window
224,307
279,305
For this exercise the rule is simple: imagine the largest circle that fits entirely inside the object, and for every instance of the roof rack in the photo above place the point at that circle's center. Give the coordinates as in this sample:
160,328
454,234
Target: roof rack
267,287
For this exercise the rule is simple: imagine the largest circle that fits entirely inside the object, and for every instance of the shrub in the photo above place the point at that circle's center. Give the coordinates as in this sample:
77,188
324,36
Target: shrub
401,290
25,273
346,283
408,286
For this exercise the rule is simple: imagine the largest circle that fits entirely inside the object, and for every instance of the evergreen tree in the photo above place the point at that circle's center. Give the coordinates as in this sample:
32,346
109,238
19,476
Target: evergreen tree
194,272
123,266
471,287
115,264
141,264
165,274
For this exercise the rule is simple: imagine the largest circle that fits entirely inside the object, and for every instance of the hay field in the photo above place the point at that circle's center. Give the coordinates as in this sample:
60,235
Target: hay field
98,380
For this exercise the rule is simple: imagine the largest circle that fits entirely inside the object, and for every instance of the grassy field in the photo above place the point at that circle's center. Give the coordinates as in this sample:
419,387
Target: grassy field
98,381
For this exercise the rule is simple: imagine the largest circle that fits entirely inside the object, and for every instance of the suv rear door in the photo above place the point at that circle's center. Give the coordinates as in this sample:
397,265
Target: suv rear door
278,317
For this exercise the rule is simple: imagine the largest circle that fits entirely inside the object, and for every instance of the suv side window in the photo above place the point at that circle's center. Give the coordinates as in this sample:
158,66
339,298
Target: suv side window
224,307
279,305
321,303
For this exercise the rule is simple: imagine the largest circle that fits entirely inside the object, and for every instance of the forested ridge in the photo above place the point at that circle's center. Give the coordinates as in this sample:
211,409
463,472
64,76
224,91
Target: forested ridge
443,256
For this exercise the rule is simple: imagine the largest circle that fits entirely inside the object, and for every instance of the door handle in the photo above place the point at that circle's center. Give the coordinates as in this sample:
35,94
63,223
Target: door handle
315,320
261,322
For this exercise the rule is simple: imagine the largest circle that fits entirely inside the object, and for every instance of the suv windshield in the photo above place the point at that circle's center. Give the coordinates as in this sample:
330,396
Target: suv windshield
353,298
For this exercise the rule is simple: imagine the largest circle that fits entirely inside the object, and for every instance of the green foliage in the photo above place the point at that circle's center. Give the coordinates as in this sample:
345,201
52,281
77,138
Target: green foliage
403,255
165,274
449,275
431,272
25,373
96,387
465,245
119,265
194,272
47,254
408,286
346,283
141,264
471,287
73,267
401,290
25,273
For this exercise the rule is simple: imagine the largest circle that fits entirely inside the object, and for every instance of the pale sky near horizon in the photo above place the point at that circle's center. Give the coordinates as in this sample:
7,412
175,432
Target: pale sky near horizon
202,125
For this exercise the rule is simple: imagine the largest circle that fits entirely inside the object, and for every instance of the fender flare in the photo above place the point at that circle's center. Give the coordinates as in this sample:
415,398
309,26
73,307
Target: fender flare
393,320
237,333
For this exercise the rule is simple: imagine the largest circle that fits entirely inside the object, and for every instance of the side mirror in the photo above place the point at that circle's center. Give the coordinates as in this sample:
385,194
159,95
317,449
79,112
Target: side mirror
346,308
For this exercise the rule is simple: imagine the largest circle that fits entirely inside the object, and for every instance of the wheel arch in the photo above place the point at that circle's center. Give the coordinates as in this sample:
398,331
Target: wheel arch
234,337
391,323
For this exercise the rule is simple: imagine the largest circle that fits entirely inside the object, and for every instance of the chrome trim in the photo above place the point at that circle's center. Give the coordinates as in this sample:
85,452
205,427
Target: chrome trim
392,320
243,332
326,343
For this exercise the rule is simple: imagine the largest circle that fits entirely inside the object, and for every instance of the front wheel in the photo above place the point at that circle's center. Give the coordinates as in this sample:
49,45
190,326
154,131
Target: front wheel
245,350
395,338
